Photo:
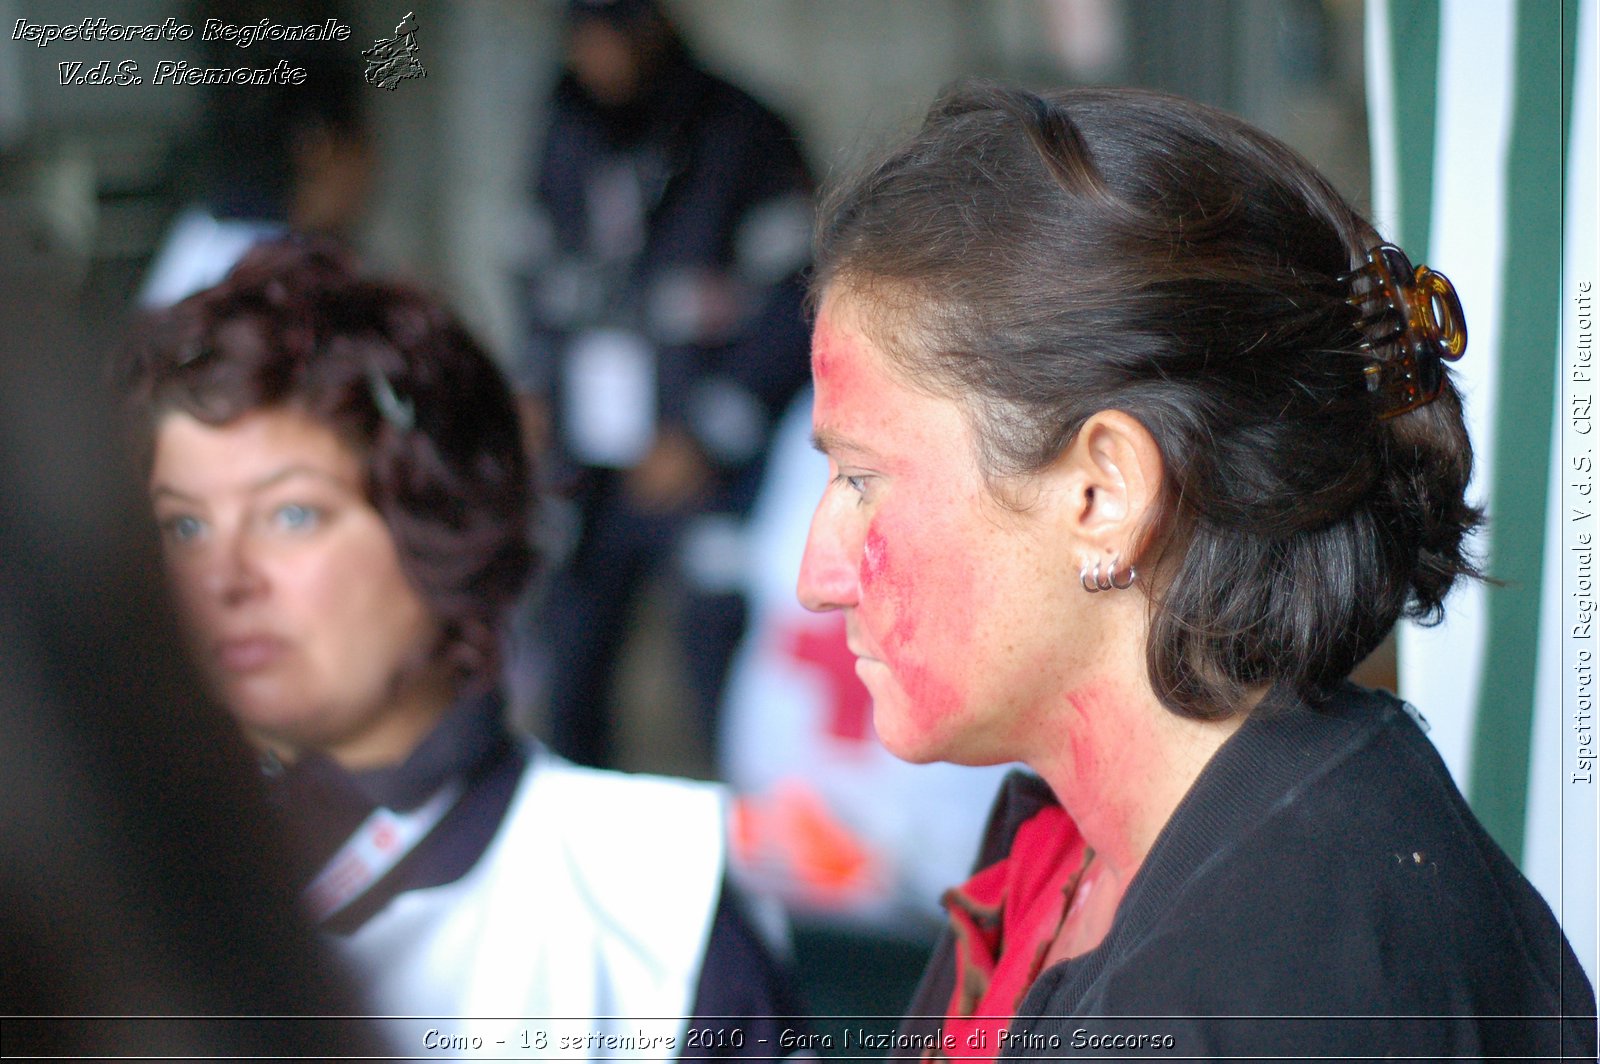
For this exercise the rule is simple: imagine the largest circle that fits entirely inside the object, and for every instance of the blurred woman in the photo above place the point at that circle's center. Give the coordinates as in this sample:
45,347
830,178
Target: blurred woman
1141,439
337,471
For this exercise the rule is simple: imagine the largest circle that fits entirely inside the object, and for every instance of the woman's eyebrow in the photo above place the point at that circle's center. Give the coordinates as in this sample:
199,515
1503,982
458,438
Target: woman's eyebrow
290,472
269,481
829,442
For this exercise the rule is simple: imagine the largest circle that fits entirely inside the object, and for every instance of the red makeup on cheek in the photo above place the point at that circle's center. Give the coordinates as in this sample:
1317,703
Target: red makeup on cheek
873,556
931,671
913,575
890,590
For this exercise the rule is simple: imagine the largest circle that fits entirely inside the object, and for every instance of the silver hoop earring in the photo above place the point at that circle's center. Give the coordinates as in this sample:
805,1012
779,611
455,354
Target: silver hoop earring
1133,574
1090,579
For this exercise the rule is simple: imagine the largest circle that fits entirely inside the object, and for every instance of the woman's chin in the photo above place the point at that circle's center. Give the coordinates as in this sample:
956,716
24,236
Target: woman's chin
900,736
907,730
268,720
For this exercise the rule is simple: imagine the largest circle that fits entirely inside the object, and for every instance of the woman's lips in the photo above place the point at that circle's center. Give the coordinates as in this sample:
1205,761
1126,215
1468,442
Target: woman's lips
862,655
249,653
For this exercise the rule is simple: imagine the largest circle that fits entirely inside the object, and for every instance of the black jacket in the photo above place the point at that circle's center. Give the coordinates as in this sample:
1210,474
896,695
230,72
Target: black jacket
1323,890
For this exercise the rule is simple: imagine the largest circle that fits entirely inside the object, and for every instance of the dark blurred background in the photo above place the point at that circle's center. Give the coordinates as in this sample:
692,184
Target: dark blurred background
432,180
93,175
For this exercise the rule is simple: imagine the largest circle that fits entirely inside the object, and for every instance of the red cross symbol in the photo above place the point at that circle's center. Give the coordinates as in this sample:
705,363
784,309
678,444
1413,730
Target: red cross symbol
821,644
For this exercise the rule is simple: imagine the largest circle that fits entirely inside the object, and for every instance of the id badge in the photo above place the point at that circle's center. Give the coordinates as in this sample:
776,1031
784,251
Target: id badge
609,398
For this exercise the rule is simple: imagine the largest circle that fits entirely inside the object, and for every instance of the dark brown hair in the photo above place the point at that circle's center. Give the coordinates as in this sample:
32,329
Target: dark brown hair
1048,257
401,382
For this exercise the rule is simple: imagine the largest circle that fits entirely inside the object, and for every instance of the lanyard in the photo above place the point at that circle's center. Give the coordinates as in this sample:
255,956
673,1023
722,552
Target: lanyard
372,850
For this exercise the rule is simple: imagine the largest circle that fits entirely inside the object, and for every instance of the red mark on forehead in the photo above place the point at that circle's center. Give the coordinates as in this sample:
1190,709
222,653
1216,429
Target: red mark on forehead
824,339
839,360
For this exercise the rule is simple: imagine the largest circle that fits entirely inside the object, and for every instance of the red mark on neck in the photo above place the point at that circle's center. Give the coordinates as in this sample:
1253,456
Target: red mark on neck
1087,762
1110,759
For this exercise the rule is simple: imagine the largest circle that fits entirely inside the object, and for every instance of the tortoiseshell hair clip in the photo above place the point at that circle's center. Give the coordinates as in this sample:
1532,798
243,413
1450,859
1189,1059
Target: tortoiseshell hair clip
1412,322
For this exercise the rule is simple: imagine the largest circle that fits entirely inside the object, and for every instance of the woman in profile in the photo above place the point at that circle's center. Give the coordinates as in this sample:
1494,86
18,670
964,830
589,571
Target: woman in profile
338,475
1140,439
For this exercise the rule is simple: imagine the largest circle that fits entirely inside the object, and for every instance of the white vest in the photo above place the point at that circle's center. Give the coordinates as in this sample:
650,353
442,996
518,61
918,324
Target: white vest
586,919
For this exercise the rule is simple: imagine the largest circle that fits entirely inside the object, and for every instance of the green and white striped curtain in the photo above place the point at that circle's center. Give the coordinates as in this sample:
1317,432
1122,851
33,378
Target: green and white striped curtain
1483,134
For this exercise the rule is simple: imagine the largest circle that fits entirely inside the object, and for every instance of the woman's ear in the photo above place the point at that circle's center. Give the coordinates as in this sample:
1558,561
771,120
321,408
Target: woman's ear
1112,473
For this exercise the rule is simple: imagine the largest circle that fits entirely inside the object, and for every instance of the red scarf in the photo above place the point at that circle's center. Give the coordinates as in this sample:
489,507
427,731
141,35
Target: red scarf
1005,918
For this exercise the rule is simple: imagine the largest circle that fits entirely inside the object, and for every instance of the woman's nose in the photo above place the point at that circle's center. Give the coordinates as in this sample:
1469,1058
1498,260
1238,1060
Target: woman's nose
233,572
830,568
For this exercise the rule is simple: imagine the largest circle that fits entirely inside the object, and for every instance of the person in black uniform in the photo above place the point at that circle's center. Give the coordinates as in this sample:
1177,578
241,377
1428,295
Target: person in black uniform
666,337
1140,440
338,474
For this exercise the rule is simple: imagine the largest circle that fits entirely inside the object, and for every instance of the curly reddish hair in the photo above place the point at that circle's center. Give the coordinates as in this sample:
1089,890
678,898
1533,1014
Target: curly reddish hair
396,376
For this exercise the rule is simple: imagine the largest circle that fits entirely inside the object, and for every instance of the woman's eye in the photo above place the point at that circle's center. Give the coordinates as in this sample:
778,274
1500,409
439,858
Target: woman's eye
857,484
294,517
182,528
